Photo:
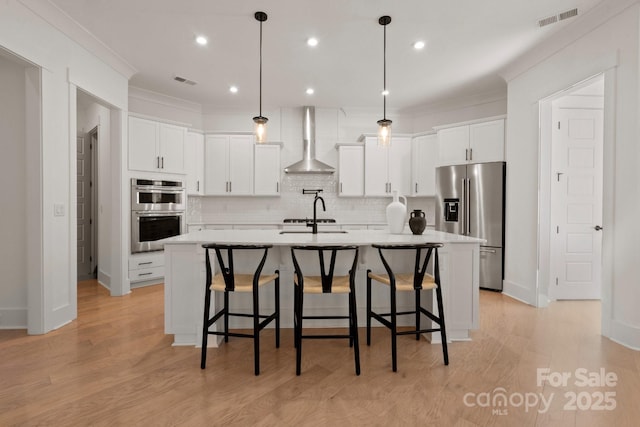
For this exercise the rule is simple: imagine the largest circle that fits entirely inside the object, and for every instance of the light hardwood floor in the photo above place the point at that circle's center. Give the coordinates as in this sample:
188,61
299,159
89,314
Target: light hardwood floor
114,366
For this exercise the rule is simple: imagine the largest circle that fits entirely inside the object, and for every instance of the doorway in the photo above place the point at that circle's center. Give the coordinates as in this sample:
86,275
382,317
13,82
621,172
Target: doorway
572,135
86,150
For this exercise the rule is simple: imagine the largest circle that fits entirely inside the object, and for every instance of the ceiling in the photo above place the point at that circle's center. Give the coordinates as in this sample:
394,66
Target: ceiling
467,46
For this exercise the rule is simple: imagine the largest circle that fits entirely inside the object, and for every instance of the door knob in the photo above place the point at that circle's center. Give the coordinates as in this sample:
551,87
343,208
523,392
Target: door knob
597,228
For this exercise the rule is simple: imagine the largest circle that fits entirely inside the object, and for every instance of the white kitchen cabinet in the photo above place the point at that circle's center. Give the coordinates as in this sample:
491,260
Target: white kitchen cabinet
387,169
424,158
266,175
155,146
351,170
146,267
228,165
473,143
194,162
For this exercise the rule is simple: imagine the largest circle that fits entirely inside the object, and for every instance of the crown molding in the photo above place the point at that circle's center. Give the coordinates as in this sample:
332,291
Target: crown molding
58,19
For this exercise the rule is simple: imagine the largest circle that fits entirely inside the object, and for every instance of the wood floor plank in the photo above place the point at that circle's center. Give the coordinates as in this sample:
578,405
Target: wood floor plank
114,366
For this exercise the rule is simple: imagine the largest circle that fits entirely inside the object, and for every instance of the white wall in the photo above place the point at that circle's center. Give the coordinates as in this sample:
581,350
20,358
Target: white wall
611,46
13,173
65,65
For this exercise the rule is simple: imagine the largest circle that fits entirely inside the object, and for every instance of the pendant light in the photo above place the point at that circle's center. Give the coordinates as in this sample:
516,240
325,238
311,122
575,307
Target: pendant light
384,125
260,122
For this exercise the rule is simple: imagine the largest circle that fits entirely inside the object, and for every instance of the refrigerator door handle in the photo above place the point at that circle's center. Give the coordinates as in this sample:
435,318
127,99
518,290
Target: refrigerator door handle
468,202
463,210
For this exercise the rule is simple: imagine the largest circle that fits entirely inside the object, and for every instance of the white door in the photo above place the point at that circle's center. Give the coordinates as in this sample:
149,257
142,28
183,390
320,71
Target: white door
351,170
376,179
576,200
399,166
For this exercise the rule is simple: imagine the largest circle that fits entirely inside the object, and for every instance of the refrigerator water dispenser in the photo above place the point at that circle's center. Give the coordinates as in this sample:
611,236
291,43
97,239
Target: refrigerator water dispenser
451,210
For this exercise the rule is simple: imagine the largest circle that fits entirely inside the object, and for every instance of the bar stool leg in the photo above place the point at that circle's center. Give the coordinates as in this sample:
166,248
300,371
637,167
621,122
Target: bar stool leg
354,330
443,333
205,329
256,331
394,328
277,296
368,308
417,292
299,331
226,316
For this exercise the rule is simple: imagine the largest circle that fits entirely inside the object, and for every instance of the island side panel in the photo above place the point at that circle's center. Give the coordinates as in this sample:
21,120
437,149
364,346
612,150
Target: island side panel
184,292
459,268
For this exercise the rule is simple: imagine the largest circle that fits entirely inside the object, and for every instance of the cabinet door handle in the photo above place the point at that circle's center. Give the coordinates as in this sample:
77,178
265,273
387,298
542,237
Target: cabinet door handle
158,162
230,186
145,274
277,187
341,187
466,154
197,185
470,153
145,263
416,187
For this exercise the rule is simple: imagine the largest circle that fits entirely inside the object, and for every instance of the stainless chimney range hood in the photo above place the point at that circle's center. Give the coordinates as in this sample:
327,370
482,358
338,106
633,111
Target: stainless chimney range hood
309,163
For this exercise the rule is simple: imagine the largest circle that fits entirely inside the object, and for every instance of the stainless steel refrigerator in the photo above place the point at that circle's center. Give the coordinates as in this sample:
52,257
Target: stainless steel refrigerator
470,202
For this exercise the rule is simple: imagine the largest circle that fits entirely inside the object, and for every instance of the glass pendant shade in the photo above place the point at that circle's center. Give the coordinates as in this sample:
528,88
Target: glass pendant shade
260,129
384,132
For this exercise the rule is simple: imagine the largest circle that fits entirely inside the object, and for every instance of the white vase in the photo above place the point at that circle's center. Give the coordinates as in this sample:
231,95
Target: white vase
396,214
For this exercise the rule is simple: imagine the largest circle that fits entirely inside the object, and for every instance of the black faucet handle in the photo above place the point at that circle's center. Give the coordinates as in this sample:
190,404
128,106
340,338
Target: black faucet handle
306,191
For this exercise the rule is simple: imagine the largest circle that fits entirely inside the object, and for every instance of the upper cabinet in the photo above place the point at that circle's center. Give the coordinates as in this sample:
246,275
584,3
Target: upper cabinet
156,146
266,174
351,170
424,158
194,163
473,143
229,165
387,169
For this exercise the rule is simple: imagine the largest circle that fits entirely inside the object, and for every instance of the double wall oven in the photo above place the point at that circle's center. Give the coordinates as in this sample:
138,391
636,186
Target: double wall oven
157,212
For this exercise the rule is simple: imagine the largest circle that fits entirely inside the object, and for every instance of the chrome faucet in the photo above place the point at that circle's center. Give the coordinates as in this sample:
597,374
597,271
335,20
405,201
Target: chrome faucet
314,224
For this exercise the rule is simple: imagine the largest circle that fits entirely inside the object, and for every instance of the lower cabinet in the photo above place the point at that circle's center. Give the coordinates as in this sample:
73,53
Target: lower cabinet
146,268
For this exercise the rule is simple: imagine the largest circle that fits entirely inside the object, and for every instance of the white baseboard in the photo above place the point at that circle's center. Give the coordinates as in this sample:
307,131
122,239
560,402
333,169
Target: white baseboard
13,318
104,279
519,292
625,334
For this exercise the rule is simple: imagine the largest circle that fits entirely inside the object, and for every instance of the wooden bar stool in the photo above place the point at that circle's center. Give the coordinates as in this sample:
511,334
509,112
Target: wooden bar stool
325,283
228,281
416,282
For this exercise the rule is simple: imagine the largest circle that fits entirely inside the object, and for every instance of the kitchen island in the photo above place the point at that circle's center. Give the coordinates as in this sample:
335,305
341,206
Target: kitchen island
185,277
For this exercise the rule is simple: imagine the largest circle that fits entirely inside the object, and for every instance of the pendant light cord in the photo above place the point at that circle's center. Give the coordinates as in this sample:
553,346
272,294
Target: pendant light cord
260,107
384,74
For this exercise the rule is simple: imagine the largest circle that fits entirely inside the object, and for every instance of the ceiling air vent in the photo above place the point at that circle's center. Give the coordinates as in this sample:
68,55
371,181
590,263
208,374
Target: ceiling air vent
568,14
183,80
547,21
557,18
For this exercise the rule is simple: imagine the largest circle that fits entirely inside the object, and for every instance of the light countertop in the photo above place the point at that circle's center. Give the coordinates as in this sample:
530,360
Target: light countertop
351,237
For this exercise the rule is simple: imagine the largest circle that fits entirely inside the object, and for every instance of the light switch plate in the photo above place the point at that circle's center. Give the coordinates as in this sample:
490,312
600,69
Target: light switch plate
58,209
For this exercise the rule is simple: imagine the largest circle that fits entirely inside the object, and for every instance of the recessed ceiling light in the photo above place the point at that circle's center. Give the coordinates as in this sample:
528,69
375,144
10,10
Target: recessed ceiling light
233,89
201,40
310,91
312,41
418,45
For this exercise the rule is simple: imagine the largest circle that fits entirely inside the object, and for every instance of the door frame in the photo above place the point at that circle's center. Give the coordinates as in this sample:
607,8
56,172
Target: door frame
608,194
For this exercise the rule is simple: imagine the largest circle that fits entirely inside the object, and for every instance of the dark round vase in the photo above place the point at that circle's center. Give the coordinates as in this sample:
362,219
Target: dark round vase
417,221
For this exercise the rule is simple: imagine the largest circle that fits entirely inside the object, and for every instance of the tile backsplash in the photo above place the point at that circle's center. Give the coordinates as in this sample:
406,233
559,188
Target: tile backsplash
293,204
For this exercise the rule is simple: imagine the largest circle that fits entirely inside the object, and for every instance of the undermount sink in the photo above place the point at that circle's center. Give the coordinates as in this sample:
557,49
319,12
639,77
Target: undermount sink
310,232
